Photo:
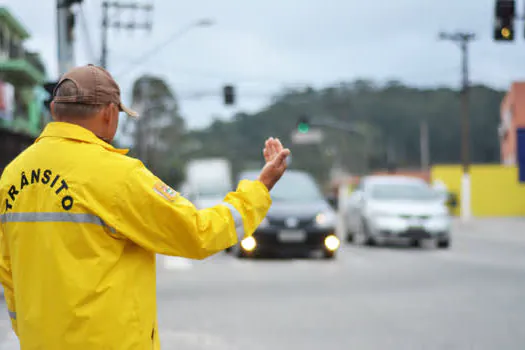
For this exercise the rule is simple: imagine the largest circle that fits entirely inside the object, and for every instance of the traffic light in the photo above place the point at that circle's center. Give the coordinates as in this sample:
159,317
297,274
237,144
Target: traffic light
303,125
72,2
69,3
229,95
49,87
505,14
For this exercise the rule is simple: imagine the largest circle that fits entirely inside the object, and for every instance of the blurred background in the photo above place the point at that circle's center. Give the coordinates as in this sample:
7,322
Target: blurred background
428,92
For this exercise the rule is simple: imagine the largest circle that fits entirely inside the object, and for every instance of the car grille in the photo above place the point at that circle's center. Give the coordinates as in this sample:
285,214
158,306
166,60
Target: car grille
419,217
271,239
301,223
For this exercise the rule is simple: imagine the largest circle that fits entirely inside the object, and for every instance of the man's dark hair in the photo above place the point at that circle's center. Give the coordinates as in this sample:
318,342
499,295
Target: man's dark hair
72,110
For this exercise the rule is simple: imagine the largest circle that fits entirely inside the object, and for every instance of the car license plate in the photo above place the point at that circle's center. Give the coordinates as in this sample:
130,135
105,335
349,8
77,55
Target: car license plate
292,236
417,224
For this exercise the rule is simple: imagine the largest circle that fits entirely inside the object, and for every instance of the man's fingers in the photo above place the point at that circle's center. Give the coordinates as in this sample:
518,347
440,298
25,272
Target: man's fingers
279,145
266,154
273,151
281,157
272,147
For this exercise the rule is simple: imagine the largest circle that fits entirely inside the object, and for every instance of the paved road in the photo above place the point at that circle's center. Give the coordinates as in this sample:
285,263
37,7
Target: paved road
469,297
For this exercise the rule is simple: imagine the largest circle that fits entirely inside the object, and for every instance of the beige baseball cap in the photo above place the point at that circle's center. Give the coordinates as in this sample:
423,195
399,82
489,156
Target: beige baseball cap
95,86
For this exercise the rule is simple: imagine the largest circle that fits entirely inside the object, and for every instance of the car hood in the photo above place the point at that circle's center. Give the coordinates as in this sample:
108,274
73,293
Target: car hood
407,207
285,209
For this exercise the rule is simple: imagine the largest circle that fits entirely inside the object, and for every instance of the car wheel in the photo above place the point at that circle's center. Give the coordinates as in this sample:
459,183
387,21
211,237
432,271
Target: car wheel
237,251
444,243
363,235
416,243
240,254
328,255
369,240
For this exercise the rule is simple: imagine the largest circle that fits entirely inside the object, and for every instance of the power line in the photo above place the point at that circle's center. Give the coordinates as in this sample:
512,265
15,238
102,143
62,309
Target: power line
107,23
177,34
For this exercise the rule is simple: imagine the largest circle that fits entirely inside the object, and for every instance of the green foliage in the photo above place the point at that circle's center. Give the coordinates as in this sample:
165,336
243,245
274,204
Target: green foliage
157,134
390,114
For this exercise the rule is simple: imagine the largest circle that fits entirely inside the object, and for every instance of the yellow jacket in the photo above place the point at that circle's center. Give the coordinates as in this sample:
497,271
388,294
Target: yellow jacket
80,224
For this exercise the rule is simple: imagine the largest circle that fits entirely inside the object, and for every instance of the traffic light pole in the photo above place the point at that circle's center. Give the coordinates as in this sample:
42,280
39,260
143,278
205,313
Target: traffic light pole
464,39
338,126
349,128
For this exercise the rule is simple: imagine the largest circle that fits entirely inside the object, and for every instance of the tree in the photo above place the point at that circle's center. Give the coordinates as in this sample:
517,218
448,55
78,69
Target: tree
157,135
391,115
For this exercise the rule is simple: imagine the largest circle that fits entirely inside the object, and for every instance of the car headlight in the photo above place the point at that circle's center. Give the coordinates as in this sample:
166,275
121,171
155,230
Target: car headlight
325,219
332,243
249,244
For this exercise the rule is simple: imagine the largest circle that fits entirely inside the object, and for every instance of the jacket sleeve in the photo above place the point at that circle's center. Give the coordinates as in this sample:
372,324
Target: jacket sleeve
154,216
6,278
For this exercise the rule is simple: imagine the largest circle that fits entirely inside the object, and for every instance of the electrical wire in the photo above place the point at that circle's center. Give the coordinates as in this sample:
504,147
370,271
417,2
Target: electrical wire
143,58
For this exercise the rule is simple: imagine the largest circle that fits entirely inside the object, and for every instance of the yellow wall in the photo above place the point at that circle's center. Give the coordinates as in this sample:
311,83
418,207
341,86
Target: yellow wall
451,176
495,189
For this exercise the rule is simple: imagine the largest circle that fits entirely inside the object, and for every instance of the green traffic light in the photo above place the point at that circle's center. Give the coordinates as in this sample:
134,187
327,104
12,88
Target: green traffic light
303,128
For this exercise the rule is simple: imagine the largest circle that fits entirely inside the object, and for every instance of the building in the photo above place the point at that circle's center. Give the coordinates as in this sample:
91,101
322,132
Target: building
512,120
22,96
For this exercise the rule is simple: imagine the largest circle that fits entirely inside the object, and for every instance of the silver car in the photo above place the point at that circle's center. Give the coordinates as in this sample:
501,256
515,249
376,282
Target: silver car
397,207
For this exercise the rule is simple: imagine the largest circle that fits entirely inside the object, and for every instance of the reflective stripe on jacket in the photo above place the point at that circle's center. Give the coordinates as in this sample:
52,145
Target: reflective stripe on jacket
80,224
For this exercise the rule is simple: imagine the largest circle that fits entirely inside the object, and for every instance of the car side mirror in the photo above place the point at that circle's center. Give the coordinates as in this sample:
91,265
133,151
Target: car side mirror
452,200
333,201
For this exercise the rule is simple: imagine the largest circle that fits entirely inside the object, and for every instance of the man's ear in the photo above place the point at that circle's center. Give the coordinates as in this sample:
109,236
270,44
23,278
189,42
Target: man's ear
52,110
106,114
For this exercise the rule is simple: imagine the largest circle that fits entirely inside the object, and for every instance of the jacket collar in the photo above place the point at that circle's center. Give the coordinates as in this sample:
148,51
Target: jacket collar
78,133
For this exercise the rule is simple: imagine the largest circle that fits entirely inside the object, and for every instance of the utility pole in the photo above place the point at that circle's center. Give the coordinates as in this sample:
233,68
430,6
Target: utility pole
463,39
424,145
391,156
131,25
65,37
142,123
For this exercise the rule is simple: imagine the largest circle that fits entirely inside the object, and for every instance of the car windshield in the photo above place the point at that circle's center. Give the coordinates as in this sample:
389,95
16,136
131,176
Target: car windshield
293,186
402,191
211,191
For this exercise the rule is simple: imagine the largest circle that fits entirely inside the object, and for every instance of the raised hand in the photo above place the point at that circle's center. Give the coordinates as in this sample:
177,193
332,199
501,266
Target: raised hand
275,157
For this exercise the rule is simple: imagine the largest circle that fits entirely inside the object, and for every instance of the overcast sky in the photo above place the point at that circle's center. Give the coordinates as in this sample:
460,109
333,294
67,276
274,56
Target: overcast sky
262,46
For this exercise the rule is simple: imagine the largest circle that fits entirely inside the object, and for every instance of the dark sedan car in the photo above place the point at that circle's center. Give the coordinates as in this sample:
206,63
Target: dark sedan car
300,220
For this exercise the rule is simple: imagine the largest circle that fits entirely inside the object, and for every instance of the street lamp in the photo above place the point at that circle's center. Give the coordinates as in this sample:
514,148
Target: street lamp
200,23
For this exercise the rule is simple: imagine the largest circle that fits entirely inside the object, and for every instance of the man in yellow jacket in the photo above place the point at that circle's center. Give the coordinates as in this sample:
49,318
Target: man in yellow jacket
80,224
